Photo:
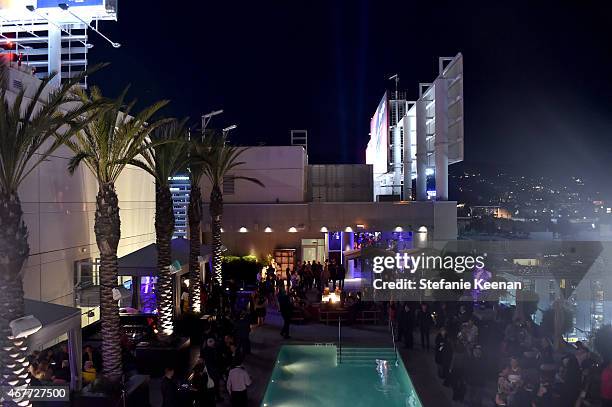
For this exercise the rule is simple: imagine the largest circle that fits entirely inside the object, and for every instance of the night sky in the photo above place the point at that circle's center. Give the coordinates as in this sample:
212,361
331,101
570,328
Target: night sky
538,81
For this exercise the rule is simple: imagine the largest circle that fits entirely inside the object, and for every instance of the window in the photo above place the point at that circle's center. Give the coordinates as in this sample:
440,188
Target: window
229,185
87,289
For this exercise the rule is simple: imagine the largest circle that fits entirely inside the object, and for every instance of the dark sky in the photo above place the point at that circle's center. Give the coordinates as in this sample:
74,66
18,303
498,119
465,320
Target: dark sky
538,80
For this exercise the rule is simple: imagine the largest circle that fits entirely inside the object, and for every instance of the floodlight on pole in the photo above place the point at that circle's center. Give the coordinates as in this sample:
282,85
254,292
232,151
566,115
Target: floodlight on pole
228,128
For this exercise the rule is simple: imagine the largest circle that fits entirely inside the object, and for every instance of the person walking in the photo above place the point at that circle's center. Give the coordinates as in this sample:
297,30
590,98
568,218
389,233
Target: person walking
286,310
238,381
261,305
606,384
202,384
444,354
408,326
169,389
425,322
243,329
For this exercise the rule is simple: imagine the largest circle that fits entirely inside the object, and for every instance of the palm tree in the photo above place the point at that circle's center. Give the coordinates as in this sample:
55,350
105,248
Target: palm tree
164,157
29,134
219,160
194,213
105,146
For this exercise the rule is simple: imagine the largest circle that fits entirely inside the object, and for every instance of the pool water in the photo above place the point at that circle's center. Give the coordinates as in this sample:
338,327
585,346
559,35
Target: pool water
311,375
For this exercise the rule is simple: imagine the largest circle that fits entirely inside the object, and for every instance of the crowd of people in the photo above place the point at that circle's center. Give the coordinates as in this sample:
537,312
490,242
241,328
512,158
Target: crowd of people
487,354
494,361
50,367
218,371
307,276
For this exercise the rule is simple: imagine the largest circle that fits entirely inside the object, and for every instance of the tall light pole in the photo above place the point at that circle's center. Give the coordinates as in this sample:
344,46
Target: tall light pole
206,119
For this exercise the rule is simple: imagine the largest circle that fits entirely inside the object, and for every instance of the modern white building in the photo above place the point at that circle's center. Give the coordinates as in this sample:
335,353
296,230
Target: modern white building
418,140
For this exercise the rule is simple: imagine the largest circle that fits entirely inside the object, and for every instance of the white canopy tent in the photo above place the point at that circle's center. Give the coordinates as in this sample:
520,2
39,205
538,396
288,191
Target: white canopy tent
58,320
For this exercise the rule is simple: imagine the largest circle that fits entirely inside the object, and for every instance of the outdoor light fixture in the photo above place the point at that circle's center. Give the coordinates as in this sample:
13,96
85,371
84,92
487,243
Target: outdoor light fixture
268,229
292,229
242,230
228,128
360,226
398,229
222,230
211,114
324,229
422,229
348,229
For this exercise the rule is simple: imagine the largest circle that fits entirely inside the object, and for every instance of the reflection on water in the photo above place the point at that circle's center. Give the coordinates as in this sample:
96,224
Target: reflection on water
309,376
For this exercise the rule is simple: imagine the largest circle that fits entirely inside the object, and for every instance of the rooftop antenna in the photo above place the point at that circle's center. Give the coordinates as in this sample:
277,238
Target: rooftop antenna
396,79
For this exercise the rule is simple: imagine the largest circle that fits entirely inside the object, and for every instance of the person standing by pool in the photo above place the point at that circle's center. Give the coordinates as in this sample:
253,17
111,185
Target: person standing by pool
286,310
261,304
238,380
425,322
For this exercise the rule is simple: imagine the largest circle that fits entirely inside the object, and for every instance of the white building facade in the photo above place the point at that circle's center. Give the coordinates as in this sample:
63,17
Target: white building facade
418,140
59,211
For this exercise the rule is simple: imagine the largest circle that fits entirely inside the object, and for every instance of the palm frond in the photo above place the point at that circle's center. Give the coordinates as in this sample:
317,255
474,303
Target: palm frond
111,138
32,128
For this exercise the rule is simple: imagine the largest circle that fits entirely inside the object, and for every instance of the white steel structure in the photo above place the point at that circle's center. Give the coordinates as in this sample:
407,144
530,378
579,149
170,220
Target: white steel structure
51,35
424,140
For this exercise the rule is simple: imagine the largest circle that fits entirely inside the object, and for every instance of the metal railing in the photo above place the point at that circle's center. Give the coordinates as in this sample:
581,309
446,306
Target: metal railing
339,346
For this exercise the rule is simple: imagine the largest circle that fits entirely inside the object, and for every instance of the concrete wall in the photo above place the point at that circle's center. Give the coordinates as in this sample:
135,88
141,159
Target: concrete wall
440,219
340,183
282,169
59,213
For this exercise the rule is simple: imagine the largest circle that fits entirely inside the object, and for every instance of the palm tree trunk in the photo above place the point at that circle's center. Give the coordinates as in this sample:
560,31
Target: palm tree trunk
216,211
107,228
195,216
14,251
164,226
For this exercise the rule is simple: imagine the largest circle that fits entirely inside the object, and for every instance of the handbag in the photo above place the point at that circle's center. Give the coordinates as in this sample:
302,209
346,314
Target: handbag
210,383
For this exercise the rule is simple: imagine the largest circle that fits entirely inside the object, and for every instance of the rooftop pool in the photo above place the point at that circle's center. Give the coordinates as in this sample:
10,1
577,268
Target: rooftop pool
314,375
